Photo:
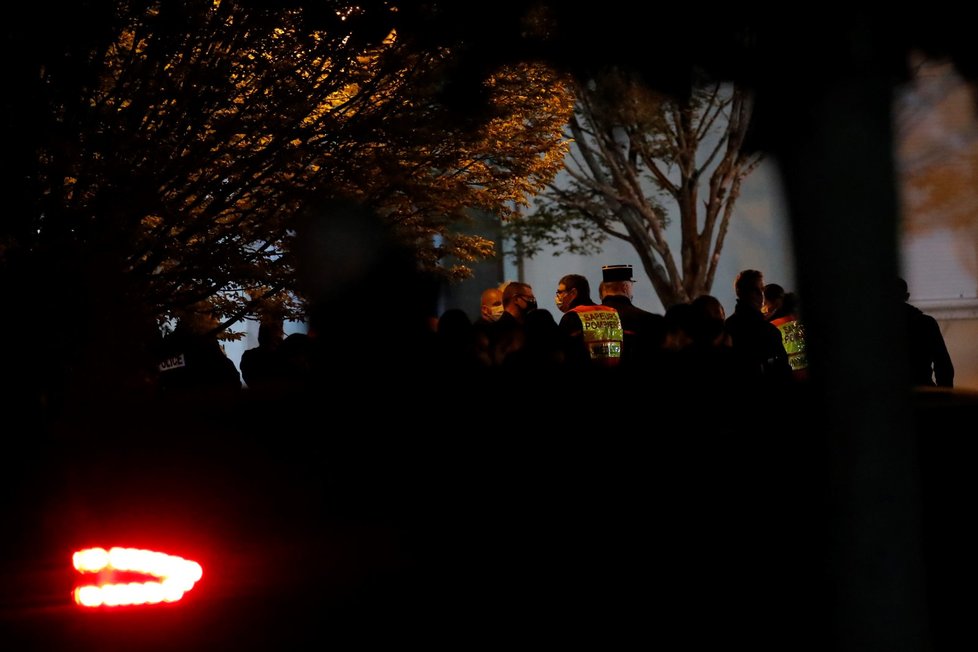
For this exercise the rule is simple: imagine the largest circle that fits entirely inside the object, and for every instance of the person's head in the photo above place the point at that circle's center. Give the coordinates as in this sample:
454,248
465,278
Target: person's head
541,326
198,319
678,322
706,319
615,289
773,298
572,290
616,280
492,304
270,333
749,287
518,299
789,304
453,323
902,289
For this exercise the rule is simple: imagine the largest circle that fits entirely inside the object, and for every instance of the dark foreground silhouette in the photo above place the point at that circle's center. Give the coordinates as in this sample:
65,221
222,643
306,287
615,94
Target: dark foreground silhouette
323,524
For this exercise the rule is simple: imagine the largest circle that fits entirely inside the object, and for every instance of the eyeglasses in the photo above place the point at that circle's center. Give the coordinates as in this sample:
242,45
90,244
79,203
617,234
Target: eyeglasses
560,292
526,298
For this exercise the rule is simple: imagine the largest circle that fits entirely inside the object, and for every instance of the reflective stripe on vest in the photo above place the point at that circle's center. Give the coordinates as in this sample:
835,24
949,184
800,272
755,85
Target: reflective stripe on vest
793,338
602,332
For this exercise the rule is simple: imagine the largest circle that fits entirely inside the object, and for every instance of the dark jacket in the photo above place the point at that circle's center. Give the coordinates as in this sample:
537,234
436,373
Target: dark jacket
928,356
644,331
506,335
189,362
759,344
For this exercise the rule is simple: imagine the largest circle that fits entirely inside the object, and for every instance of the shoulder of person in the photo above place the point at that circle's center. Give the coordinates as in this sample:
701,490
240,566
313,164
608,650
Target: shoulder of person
914,311
570,318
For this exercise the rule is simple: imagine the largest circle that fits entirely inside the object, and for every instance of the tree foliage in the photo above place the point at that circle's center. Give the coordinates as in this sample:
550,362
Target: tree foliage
167,153
177,142
642,161
936,148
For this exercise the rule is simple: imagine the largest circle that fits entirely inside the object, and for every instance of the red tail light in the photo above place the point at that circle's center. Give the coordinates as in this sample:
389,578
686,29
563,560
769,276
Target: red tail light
130,576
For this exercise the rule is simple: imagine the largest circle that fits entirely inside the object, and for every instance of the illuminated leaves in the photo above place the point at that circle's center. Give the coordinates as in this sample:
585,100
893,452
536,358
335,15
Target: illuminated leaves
210,126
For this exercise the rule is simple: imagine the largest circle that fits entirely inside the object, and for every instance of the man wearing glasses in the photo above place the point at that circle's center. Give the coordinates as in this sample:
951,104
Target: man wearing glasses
593,332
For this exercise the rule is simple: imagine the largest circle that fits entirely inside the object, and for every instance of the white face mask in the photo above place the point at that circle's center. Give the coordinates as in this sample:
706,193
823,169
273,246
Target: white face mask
495,312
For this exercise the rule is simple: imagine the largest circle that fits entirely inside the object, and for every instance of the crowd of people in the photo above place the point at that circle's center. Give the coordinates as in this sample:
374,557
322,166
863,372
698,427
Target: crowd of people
693,345
694,342
762,344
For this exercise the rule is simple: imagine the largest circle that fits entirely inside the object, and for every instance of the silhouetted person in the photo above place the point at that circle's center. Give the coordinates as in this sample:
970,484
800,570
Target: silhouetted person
299,355
262,366
678,325
707,323
507,334
773,300
455,342
370,302
930,363
708,364
752,336
542,348
192,362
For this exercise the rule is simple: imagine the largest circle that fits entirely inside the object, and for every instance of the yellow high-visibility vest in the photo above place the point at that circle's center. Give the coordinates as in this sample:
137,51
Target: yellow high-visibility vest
602,332
793,338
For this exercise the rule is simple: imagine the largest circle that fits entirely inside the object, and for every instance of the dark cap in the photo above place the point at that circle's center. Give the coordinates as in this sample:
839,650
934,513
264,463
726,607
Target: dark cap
611,273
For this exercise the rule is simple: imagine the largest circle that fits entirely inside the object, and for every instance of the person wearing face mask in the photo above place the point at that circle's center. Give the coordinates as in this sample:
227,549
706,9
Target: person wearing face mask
490,310
593,334
491,307
508,332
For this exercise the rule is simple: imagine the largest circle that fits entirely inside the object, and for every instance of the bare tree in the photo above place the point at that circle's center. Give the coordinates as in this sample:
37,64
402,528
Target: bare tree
636,154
